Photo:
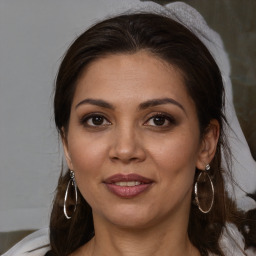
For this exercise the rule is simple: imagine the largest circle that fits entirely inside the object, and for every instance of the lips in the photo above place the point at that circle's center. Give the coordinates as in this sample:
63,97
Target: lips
127,186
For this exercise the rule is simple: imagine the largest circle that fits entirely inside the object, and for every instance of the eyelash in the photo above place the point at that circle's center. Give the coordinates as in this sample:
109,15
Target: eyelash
84,120
171,120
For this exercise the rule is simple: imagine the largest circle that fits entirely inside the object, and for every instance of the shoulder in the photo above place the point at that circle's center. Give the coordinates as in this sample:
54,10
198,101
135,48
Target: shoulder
36,244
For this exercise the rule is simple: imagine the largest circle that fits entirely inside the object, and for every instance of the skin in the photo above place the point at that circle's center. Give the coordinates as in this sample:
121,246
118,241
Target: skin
126,140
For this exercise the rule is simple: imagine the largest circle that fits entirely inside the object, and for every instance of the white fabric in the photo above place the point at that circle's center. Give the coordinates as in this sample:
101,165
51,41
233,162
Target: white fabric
41,238
232,242
30,244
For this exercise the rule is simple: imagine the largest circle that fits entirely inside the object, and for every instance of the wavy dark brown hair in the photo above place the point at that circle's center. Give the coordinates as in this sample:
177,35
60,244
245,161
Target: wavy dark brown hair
175,44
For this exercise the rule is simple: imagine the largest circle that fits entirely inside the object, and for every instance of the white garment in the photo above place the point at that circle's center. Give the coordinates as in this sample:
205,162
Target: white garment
28,246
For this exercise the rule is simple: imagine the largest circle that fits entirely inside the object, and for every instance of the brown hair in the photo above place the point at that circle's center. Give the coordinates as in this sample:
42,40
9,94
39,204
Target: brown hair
177,45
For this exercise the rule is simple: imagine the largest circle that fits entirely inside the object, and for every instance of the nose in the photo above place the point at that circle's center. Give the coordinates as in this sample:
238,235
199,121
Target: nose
127,146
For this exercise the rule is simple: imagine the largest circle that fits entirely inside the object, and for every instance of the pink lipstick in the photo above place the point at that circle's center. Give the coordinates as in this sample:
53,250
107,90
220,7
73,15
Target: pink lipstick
127,186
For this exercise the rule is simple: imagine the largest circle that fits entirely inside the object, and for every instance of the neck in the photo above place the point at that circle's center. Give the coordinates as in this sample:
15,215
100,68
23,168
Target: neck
164,240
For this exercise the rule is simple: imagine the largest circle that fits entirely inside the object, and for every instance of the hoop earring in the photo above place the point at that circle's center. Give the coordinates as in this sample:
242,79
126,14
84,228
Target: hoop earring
204,175
73,183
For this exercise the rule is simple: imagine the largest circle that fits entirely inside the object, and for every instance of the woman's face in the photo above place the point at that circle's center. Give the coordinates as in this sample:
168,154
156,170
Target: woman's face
133,140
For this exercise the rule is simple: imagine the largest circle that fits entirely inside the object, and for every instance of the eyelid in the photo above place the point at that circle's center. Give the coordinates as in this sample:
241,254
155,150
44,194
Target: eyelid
86,117
169,117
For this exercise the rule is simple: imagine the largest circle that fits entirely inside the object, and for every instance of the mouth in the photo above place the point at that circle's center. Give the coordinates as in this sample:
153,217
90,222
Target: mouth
128,183
127,186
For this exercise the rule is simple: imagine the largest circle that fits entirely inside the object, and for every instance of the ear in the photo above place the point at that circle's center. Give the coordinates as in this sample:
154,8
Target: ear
208,145
65,148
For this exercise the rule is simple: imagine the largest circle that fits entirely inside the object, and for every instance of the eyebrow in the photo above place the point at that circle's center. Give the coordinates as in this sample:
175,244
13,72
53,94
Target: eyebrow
156,102
100,103
142,106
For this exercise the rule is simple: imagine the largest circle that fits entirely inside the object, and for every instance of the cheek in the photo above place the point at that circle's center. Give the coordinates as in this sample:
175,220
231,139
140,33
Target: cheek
88,155
174,149
175,157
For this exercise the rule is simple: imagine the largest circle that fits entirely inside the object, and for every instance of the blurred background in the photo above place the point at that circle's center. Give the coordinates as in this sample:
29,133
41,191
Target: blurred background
34,35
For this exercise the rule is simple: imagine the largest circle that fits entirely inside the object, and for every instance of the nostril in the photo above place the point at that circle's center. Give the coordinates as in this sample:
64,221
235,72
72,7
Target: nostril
127,157
126,148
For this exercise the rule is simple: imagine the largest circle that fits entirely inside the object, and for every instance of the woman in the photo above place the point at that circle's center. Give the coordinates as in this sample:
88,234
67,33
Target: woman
138,105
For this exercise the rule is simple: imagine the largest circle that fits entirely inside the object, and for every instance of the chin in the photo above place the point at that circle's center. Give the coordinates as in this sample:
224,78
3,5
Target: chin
132,223
131,217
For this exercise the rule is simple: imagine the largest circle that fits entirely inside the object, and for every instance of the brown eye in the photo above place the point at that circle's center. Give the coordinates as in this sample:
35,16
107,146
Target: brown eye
95,120
160,120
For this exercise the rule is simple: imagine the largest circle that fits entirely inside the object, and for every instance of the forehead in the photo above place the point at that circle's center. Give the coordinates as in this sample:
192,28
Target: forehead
130,76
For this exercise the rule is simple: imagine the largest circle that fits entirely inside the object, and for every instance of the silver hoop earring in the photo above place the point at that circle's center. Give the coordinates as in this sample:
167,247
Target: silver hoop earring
203,199
73,183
